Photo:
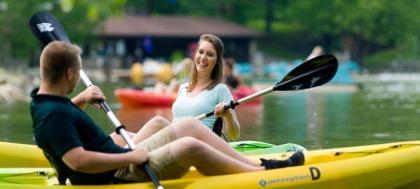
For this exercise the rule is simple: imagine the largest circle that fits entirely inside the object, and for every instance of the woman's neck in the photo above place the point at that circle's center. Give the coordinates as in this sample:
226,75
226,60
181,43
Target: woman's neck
201,84
203,81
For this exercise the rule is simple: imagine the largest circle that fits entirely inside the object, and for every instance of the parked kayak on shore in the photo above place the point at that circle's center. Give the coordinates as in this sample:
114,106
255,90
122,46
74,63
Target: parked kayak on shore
133,98
390,165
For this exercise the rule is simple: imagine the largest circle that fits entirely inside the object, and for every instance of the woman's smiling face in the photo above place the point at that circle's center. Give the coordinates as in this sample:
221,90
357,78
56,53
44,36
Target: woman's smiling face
205,58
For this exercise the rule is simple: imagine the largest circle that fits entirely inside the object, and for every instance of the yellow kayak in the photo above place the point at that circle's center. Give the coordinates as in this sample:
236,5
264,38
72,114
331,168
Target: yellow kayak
391,165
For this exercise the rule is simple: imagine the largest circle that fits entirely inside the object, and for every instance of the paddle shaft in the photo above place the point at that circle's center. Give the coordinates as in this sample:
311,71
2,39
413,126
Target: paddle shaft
120,129
238,102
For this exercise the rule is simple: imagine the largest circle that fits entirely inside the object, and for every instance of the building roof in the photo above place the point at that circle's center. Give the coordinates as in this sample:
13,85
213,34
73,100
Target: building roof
171,26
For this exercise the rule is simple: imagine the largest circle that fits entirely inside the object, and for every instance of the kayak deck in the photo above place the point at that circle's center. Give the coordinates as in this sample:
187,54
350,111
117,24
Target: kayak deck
392,165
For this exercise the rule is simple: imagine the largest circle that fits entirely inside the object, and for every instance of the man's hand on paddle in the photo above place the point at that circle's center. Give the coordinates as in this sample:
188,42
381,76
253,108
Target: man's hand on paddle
139,156
92,95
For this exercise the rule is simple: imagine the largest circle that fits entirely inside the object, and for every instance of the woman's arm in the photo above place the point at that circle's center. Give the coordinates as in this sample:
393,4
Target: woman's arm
230,121
232,125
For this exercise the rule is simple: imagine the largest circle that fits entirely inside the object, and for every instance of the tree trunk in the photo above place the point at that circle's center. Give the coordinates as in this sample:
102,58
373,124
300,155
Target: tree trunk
5,54
268,16
353,48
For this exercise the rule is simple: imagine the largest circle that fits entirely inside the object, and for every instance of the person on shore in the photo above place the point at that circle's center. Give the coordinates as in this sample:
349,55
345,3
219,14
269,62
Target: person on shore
205,91
84,154
182,76
232,80
316,51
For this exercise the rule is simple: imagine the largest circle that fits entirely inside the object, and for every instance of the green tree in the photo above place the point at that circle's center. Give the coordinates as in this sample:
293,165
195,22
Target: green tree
14,32
235,10
78,17
361,25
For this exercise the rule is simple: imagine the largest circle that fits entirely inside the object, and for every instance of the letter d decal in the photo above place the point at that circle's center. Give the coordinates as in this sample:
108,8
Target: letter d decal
315,173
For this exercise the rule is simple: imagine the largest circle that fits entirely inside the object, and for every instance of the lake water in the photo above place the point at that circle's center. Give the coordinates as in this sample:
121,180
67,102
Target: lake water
379,112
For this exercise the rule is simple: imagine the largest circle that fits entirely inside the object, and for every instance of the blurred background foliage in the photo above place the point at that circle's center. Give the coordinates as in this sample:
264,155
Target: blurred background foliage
375,33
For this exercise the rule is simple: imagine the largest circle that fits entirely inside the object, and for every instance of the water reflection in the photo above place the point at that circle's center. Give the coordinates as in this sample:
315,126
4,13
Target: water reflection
318,120
381,112
15,123
306,118
249,117
134,118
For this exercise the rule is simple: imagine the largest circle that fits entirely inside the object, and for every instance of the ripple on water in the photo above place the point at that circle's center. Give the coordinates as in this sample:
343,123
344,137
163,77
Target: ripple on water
381,135
4,116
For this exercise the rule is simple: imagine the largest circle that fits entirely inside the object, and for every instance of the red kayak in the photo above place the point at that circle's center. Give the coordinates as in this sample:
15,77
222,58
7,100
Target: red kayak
244,91
139,98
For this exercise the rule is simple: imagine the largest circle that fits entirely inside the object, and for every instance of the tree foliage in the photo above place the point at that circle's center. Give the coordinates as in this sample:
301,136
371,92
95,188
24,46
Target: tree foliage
358,24
355,26
79,18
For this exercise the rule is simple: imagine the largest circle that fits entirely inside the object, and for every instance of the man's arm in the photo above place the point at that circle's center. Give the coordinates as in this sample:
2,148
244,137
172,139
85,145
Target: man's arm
81,160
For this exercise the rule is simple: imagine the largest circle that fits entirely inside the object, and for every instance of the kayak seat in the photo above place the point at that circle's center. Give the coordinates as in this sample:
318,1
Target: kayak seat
218,127
61,175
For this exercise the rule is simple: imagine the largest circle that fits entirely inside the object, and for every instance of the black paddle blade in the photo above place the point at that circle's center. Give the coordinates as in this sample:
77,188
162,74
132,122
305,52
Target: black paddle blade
47,29
312,73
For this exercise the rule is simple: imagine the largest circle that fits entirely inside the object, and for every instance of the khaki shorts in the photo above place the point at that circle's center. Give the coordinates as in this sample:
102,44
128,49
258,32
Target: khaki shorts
161,160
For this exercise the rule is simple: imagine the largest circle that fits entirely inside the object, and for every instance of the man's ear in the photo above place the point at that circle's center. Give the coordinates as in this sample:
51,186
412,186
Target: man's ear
69,73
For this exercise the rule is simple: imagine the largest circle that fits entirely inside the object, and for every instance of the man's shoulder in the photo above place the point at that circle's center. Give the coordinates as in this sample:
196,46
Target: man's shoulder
46,108
55,107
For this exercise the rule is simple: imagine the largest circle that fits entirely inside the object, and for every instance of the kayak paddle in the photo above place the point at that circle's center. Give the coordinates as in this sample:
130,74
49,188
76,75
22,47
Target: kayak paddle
311,73
47,29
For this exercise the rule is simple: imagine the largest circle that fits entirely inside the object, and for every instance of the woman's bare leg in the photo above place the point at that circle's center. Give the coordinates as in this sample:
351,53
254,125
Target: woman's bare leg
189,151
151,127
118,140
193,128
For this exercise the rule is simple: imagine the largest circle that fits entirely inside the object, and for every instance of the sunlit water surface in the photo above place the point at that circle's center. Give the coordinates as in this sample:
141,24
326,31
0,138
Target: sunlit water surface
379,112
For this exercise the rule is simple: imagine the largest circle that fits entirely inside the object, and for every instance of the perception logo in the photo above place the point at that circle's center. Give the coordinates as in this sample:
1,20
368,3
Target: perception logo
263,183
314,174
